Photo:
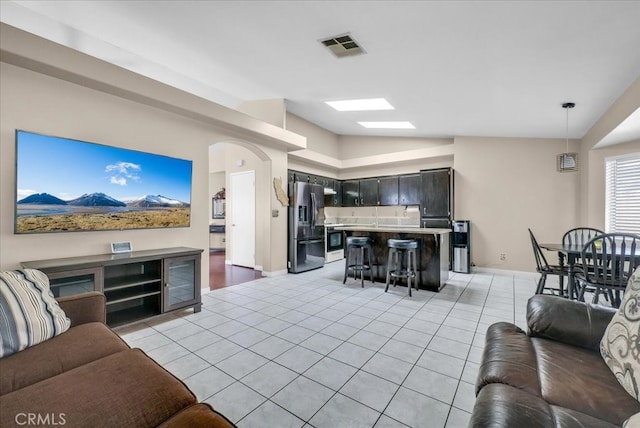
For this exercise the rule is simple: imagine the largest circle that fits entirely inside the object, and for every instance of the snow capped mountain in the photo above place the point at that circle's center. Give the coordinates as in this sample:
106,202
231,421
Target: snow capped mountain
96,200
156,201
42,199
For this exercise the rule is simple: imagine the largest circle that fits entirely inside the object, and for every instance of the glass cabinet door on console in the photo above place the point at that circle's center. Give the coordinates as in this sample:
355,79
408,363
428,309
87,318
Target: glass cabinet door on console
76,281
181,282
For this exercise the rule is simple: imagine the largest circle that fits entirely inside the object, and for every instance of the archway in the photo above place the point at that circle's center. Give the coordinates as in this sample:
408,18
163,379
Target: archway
232,156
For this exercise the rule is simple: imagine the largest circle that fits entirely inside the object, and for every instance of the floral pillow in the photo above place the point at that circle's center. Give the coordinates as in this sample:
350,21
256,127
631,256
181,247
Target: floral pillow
620,345
633,421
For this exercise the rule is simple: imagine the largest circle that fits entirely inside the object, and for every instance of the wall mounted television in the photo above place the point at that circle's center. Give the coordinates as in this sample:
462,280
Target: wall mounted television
66,185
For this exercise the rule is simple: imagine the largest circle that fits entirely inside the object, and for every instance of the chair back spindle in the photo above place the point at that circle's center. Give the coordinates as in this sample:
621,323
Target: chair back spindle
541,262
608,261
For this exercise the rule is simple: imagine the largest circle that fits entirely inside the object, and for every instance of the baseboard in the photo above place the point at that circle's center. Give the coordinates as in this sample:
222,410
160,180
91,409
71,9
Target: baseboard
275,273
503,271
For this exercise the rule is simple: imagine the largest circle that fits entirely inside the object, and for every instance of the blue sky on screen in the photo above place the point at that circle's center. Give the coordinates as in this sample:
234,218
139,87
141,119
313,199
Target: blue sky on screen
68,169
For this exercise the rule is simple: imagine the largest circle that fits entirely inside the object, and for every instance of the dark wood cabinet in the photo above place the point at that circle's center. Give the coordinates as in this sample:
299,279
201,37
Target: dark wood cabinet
368,192
337,198
325,182
351,193
388,190
436,192
431,189
136,285
409,189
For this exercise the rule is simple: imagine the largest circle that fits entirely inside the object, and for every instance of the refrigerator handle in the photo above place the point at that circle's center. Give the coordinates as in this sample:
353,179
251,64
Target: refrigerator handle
313,210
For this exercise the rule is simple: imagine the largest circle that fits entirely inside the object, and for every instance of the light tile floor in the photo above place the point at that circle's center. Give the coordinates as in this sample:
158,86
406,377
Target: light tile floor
307,351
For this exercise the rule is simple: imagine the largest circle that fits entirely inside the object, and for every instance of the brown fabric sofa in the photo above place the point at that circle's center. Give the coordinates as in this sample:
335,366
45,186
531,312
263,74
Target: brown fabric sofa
89,377
553,376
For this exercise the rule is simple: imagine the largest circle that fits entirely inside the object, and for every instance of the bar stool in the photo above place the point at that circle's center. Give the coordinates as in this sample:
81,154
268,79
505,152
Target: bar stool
357,245
400,249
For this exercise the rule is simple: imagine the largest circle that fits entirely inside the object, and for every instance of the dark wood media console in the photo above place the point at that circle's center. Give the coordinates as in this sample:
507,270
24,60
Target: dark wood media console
137,285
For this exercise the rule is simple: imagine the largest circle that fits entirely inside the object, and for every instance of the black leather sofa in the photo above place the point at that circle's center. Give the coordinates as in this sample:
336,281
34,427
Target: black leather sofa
553,375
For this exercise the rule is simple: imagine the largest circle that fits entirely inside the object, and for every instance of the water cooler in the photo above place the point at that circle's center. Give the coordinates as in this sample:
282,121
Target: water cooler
461,244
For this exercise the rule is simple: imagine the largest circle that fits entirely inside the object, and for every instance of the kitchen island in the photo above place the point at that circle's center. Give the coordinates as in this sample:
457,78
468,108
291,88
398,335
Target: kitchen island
432,254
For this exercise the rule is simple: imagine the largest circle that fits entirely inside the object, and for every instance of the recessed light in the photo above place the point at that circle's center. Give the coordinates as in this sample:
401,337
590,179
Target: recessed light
361,105
388,125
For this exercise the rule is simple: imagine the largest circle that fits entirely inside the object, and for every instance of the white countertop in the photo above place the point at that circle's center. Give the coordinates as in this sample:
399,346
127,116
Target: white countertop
394,229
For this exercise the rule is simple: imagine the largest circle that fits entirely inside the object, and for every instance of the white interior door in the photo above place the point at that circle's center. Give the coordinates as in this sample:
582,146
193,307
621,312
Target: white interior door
243,218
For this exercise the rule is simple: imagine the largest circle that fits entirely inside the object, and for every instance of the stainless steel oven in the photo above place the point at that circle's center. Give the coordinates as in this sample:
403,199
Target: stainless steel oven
334,241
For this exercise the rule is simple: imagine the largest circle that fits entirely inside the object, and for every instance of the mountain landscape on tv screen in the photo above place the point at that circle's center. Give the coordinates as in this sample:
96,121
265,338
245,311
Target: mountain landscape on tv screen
43,212
155,201
102,200
42,199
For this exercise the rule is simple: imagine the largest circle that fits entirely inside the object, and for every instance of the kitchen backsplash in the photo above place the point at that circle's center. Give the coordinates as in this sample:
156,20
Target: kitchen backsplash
387,215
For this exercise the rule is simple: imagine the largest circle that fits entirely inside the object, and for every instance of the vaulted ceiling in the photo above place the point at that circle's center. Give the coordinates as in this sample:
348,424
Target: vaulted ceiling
452,68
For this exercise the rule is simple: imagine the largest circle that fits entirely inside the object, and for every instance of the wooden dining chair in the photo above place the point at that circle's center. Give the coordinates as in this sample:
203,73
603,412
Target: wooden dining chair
578,236
608,261
544,269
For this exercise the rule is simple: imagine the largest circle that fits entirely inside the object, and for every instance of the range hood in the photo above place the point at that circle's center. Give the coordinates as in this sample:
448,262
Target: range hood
329,191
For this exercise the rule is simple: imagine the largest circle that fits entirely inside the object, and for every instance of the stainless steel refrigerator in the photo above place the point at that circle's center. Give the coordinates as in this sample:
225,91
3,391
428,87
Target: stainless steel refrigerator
306,227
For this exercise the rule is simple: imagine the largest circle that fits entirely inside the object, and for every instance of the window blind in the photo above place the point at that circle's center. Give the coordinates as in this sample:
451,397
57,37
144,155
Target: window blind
622,194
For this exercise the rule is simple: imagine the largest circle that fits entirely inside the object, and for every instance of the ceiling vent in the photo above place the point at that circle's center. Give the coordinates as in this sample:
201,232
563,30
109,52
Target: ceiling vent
343,46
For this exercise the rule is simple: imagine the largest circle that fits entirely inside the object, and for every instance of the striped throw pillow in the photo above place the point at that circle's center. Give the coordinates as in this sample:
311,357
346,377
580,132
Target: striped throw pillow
29,314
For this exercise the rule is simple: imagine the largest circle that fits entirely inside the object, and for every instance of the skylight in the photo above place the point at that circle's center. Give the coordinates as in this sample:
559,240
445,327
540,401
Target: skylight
361,105
388,125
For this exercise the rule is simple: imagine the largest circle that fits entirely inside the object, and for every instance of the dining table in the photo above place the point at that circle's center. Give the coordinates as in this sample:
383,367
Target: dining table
573,252
570,252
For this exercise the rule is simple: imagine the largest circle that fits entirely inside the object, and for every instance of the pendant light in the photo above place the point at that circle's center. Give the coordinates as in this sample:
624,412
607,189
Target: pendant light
567,162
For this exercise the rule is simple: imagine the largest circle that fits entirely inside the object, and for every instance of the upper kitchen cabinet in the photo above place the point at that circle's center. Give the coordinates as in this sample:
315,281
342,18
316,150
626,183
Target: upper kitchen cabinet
436,192
409,189
351,193
325,182
337,198
388,190
334,199
368,192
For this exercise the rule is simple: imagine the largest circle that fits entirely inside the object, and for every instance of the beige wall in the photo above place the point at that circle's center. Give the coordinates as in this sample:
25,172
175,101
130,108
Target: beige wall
41,92
271,111
352,146
223,158
43,104
405,167
590,196
505,186
596,190
319,140
334,156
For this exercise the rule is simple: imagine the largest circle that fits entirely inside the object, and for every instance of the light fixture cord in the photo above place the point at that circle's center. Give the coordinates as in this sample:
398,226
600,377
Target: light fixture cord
567,131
